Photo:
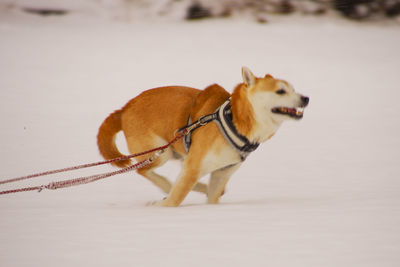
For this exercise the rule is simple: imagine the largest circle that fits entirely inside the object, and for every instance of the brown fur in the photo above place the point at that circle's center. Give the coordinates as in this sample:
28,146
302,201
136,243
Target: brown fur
243,116
208,100
106,138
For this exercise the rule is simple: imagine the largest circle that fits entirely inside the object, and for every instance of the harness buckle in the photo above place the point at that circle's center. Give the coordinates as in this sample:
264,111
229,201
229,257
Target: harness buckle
201,122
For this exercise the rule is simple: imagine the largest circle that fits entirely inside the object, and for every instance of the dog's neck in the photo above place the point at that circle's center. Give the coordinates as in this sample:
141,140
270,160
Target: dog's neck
264,129
247,121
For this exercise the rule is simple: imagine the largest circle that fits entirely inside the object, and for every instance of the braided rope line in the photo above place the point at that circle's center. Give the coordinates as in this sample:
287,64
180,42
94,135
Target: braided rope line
96,177
179,136
92,178
38,188
80,180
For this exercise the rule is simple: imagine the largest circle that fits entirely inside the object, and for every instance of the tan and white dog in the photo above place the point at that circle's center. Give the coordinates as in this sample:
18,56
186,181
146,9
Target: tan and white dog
258,106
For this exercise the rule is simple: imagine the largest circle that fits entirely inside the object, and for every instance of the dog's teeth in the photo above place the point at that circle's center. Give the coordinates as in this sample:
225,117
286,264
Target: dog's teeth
299,111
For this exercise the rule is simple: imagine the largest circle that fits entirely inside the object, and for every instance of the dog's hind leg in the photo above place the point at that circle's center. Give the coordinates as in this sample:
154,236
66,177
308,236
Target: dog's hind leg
201,188
156,179
147,142
165,185
218,181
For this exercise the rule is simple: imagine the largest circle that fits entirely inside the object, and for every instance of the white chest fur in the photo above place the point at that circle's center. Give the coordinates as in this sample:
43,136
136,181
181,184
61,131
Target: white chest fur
217,159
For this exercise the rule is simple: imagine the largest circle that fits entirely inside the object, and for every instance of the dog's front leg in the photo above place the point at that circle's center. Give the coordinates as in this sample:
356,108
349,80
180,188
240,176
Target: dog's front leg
218,181
185,183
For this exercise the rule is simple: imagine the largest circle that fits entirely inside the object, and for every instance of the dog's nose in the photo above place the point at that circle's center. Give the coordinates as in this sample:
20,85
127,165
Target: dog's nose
305,100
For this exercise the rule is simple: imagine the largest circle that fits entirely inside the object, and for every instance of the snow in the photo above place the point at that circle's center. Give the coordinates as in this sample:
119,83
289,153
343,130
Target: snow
323,192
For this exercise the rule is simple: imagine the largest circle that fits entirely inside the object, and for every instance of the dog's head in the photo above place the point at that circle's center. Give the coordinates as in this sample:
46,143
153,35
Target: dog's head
273,97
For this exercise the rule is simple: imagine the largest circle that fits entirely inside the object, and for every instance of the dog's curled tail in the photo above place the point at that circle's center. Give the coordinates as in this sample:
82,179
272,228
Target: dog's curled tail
106,139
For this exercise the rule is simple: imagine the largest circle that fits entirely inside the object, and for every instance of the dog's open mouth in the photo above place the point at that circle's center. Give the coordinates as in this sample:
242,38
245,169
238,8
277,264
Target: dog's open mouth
296,113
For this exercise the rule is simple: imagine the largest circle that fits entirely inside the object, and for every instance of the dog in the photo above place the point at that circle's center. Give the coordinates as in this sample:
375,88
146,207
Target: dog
239,123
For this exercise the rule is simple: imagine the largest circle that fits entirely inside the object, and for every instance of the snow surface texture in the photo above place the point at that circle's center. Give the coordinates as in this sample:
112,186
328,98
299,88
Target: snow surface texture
323,192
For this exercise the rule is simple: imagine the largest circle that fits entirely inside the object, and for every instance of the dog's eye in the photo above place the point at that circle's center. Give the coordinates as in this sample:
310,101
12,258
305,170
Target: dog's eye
281,92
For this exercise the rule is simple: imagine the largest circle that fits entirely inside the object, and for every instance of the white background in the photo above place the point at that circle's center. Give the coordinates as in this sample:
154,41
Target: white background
323,192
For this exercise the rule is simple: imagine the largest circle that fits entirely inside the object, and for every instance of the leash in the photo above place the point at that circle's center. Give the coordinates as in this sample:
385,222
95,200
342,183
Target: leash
92,178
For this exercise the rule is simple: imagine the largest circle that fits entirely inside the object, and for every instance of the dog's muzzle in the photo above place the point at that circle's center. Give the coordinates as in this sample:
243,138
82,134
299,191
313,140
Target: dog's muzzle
295,113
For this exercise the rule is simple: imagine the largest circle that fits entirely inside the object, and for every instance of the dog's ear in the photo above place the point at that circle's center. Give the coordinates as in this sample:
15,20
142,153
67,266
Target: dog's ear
268,76
248,77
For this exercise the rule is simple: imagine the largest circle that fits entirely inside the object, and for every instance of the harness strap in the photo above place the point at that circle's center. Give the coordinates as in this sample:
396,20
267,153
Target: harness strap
223,117
187,139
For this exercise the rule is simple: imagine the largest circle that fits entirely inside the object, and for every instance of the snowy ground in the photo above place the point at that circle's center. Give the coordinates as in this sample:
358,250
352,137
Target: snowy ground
324,191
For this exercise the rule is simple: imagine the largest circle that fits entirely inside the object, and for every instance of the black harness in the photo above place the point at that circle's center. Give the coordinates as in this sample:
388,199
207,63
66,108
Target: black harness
223,117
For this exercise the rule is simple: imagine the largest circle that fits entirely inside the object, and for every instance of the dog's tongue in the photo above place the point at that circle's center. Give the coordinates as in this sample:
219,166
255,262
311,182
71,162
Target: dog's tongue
289,110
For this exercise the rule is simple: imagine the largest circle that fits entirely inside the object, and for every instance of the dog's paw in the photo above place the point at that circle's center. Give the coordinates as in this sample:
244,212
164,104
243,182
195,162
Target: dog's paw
162,203
157,203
